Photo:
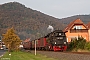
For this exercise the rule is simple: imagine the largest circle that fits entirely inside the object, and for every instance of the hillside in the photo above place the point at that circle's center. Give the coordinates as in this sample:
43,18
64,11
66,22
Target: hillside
28,23
84,18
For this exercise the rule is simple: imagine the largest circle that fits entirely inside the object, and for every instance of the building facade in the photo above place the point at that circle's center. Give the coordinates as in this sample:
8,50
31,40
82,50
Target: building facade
88,25
77,29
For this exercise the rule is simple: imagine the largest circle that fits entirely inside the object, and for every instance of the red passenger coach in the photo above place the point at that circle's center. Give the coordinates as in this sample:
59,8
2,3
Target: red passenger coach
42,43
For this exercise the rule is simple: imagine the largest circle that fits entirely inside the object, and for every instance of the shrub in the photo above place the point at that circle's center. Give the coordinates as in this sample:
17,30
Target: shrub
81,43
77,43
87,46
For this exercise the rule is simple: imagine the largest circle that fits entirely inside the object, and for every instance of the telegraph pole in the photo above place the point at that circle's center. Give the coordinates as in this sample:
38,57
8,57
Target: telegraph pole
36,38
35,47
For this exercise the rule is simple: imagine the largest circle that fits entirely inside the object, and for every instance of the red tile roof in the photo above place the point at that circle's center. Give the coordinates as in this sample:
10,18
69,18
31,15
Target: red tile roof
27,40
88,25
77,21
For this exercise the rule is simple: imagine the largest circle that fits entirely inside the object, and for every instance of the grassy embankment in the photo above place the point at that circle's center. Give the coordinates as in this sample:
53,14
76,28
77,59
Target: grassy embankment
24,56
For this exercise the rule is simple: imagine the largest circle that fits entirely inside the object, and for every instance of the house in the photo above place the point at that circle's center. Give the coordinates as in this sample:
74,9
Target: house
88,25
76,28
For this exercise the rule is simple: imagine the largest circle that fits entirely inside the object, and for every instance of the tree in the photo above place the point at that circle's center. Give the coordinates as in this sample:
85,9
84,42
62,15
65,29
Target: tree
11,40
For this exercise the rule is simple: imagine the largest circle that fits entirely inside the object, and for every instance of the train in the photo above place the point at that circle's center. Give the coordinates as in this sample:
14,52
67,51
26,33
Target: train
54,41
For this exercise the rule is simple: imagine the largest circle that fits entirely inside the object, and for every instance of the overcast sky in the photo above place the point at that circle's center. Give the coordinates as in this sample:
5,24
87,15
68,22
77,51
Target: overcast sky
56,8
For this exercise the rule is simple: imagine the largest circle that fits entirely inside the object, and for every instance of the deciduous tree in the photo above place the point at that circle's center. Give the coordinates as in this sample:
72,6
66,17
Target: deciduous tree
11,40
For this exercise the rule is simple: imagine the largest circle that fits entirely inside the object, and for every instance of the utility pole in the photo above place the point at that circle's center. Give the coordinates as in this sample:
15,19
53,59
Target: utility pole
35,47
36,38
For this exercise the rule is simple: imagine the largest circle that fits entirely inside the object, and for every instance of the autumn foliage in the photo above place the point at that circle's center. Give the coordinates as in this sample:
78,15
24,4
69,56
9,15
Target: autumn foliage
26,21
11,40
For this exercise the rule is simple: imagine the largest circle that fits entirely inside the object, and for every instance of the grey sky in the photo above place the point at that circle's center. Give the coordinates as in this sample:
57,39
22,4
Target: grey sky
56,8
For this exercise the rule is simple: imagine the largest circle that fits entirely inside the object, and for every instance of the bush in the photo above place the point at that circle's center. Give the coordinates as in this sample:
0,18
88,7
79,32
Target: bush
77,43
81,43
87,46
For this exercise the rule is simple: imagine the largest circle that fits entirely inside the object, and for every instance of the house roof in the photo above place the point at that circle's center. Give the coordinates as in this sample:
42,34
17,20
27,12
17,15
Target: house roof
88,25
77,21
27,40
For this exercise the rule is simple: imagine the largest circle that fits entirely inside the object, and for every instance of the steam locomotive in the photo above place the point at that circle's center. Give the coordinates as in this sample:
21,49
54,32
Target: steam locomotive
55,41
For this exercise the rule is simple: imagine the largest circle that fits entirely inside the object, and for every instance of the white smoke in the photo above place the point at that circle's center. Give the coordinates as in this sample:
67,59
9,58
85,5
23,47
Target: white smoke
50,28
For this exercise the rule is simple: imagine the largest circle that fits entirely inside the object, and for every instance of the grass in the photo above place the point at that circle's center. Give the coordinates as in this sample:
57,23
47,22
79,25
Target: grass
24,56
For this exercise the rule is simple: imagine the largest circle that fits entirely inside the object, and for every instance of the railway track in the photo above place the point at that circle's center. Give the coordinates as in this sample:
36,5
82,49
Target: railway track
65,55
84,53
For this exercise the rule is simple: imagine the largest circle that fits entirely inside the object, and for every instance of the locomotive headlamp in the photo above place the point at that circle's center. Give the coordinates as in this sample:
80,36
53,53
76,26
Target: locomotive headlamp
64,42
58,38
59,33
55,43
49,47
59,46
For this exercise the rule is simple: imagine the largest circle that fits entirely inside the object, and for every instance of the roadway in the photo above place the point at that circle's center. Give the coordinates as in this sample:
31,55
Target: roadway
2,52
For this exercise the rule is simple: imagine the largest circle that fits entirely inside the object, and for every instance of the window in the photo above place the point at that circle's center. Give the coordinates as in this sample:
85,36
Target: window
77,27
56,34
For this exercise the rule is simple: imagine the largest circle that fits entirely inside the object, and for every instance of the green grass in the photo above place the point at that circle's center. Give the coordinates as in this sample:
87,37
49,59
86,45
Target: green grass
24,56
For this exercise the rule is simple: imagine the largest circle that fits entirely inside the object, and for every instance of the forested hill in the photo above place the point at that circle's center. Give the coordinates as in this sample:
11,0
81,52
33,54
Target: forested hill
84,18
28,23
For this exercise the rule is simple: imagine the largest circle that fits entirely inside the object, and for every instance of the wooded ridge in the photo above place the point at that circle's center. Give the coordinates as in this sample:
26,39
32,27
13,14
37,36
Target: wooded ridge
30,23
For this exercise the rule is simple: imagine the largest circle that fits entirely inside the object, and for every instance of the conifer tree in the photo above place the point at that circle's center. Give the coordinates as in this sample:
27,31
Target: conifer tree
11,40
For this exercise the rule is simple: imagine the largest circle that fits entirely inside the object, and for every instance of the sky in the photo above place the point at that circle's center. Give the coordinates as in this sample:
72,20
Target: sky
56,8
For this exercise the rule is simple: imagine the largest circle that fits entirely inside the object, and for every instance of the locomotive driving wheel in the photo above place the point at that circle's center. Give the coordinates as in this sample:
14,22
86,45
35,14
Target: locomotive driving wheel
47,48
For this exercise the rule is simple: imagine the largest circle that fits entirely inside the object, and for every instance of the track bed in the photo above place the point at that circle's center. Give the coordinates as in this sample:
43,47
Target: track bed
65,55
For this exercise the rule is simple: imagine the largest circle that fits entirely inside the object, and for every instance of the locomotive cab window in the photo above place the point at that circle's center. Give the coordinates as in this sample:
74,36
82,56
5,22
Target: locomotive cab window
57,34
